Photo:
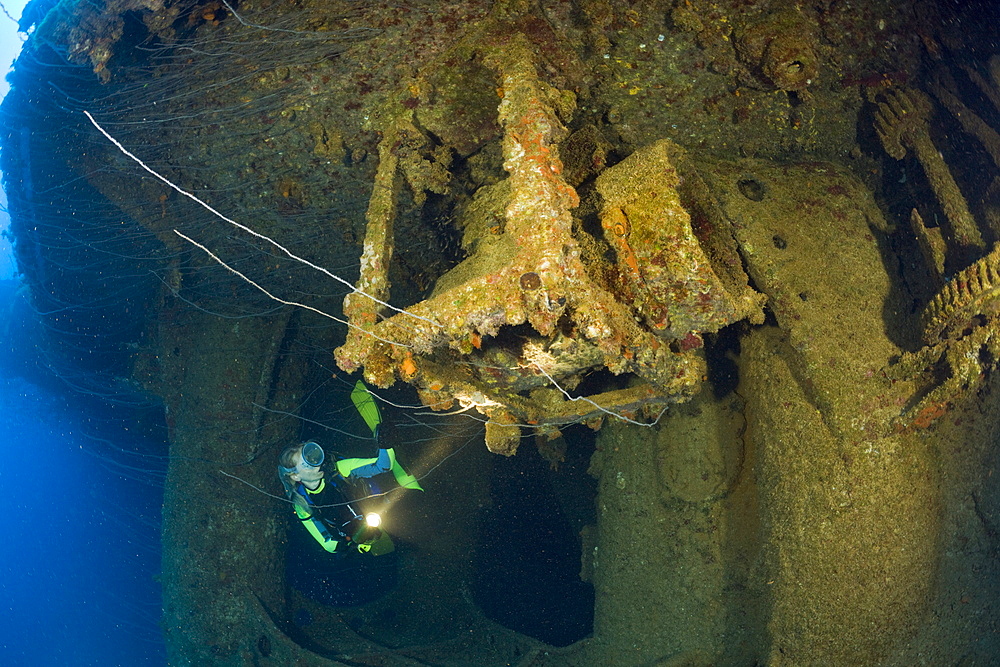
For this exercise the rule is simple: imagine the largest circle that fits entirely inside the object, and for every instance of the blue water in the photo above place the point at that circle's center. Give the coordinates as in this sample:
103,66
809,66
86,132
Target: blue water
80,497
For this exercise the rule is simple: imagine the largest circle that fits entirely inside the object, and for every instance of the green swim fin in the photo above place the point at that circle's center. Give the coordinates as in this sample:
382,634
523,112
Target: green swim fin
383,545
366,405
368,409
346,466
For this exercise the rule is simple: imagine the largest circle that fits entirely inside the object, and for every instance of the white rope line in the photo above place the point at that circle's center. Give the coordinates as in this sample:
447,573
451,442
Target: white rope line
246,229
279,299
256,488
302,260
285,413
452,412
250,24
292,502
596,405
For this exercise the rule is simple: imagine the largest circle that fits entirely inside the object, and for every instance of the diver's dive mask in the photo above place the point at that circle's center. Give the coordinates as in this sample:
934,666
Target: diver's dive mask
312,455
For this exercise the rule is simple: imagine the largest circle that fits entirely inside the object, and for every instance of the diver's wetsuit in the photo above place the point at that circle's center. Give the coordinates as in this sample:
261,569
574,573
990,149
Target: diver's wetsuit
326,513
324,565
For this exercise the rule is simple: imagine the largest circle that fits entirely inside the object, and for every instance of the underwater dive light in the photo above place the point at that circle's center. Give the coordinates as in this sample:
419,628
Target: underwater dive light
368,531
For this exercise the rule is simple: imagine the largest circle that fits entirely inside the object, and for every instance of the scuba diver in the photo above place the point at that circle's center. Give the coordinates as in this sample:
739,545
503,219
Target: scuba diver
325,505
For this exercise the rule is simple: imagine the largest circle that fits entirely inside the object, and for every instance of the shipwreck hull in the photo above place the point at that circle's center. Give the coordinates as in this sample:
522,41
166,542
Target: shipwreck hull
657,222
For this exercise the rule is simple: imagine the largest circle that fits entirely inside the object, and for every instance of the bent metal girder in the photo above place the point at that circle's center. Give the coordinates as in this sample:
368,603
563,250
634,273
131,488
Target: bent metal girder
578,323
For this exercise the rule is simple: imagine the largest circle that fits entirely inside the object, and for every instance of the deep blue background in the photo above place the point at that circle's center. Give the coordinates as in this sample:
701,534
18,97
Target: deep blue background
80,497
